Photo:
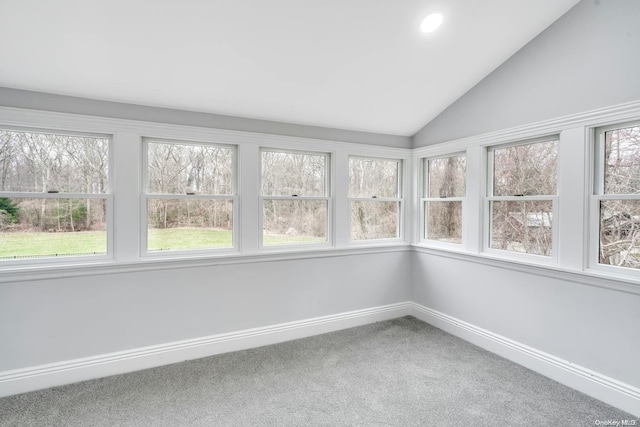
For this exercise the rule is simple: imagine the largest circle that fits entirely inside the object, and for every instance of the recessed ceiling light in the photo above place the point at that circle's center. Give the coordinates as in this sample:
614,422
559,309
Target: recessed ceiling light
431,23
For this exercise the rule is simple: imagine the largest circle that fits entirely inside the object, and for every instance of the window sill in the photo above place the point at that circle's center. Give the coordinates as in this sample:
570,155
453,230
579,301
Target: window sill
12,274
588,277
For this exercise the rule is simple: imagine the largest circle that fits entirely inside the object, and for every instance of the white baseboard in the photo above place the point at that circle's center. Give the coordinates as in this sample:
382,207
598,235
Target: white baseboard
67,372
601,387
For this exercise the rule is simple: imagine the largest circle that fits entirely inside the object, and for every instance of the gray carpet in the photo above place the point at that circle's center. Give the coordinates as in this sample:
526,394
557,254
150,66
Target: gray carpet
401,372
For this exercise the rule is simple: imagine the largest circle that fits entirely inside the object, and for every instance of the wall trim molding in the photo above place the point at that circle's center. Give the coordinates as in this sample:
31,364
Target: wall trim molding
601,387
13,274
66,372
594,384
589,277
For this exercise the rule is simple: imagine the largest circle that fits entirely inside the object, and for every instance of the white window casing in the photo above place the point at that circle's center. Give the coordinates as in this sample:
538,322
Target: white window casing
451,195
376,195
53,193
173,198
535,208
297,234
614,202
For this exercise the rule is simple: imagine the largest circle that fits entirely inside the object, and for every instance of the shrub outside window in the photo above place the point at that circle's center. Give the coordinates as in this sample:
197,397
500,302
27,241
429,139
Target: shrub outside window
617,195
294,197
190,198
522,196
55,200
444,190
375,190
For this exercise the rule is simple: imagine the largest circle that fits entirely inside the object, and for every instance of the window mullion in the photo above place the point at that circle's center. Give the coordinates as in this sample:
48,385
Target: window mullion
127,172
375,199
190,196
34,195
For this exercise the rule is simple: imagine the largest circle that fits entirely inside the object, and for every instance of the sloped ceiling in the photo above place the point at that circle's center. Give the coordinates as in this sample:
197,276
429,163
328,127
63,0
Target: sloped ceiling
349,64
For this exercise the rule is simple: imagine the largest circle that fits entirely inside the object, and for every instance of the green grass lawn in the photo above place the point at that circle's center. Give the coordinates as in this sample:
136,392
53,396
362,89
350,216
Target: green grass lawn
37,244
188,238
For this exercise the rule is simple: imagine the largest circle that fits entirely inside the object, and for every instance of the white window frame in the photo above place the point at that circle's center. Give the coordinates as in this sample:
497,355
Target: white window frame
423,171
107,196
400,200
597,195
489,197
328,198
145,196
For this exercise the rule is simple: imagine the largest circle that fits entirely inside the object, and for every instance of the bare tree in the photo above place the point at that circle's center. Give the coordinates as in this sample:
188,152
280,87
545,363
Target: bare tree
620,219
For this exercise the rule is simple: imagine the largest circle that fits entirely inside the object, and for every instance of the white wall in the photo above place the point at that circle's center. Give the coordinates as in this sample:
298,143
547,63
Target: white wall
588,59
568,80
46,321
55,313
589,326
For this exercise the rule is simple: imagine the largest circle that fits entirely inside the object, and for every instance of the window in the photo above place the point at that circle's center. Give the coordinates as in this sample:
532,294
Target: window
444,190
190,196
522,196
295,197
375,197
54,195
617,195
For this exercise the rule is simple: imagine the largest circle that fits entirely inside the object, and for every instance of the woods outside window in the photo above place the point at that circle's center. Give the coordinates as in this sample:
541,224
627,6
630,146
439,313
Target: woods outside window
295,197
444,191
190,197
55,199
616,198
375,198
522,196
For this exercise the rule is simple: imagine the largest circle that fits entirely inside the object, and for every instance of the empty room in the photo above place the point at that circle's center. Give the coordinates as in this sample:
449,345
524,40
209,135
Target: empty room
287,212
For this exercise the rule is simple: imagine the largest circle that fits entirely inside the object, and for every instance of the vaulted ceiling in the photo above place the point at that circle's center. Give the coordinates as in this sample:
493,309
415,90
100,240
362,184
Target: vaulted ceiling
350,64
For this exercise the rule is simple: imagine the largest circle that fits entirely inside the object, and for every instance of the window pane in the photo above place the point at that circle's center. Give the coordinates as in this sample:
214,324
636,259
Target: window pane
31,228
525,170
189,169
444,221
47,162
189,224
446,177
288,174
522,226
294,221
622,161
373,177
620,233
374,220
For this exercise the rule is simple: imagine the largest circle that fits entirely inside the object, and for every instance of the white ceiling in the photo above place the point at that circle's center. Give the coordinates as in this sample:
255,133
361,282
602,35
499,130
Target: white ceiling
350,64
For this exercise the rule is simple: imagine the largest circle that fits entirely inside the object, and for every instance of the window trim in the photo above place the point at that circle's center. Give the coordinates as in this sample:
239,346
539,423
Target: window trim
489,175
328,198
597,195
145,196
424,198
108,196
400,226
125,155
125,183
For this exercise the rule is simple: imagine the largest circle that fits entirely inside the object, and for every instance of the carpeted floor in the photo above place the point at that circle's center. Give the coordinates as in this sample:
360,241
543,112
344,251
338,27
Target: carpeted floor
400,372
